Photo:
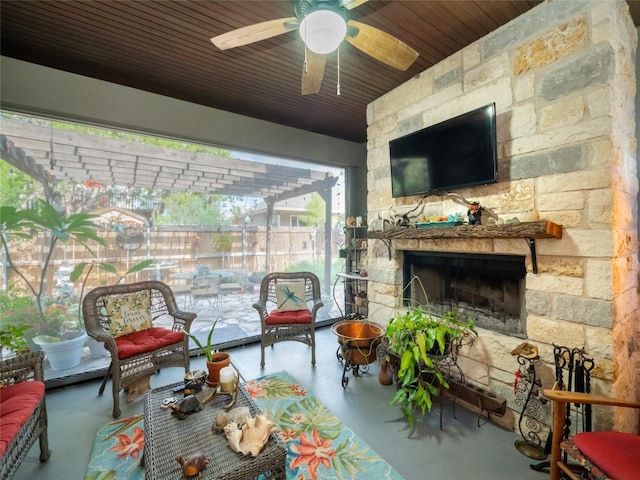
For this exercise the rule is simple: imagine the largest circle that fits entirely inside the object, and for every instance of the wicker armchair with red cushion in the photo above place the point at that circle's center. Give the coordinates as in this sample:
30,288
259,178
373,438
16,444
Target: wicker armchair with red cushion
23,412
142,329
287,305
602,454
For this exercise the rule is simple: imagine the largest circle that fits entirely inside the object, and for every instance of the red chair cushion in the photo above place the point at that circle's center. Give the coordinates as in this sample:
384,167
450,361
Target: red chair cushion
290,317
146,341
17,403
615,453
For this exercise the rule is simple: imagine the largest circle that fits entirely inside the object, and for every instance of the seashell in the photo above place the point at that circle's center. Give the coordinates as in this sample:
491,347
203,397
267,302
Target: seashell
237,415
234,435
193,465
255,434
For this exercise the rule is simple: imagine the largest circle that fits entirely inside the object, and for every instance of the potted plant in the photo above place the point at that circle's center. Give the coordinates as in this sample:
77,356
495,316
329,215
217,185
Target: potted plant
216,360
56,326
24,223
12,339
419,339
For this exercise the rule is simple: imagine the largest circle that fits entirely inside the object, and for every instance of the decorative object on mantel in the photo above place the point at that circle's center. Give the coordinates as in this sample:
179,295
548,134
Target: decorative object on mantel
526,390
474,213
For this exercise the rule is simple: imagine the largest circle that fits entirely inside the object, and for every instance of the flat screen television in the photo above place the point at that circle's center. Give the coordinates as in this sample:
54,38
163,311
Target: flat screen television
459,152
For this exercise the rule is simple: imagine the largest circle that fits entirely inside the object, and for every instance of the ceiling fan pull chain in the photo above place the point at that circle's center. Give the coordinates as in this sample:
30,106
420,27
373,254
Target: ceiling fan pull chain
338,86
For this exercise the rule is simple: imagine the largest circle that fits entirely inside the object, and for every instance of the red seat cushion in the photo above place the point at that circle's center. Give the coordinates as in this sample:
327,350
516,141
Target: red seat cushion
146,341
290,317
615,453
17,403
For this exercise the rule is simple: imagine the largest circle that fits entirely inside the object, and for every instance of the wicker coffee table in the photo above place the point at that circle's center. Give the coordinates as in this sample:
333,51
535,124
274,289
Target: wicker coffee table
167,437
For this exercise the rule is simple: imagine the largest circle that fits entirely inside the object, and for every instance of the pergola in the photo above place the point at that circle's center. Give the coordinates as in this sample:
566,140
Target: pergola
49,154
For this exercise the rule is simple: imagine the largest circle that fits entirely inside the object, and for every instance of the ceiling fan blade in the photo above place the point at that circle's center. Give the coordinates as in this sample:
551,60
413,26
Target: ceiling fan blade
380,45
353,3
313,73
255,33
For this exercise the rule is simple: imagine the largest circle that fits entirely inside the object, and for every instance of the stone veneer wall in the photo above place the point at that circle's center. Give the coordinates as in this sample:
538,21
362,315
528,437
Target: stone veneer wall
563,79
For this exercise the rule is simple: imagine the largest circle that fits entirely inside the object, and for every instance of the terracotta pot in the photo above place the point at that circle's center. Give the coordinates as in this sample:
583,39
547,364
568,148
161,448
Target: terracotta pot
218,362
385,377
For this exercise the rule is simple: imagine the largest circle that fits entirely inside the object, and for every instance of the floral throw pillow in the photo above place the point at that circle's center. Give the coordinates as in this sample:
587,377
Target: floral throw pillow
129,313
291,296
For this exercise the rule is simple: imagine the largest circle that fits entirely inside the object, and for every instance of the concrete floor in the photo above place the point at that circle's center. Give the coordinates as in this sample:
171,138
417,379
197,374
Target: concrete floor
461,450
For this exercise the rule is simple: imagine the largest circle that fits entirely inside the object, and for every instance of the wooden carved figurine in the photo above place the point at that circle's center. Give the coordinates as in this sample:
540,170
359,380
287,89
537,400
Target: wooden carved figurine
190,404
194,465
474,213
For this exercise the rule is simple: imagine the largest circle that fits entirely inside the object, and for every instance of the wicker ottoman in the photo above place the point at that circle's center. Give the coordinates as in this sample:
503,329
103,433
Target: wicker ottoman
167,437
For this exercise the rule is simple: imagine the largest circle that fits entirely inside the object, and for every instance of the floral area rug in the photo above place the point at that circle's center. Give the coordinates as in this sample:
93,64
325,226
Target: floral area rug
319,445
117,451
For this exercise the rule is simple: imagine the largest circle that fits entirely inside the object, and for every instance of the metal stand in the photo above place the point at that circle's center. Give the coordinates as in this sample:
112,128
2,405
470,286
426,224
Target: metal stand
577,366
530,425
343,357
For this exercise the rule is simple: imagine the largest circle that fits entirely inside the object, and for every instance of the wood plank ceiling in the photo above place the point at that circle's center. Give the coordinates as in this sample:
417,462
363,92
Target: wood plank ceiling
164,47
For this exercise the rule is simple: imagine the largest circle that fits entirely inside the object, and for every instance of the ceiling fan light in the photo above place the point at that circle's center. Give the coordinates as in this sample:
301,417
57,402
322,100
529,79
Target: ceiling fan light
322,31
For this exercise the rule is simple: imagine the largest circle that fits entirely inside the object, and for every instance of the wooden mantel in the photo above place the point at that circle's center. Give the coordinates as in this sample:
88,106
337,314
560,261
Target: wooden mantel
527,230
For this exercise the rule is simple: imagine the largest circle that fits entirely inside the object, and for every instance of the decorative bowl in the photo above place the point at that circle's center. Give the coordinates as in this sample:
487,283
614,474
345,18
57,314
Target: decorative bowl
358,340
195,380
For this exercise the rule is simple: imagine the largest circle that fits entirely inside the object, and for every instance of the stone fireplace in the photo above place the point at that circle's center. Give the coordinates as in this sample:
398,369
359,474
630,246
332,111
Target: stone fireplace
563,79
487,288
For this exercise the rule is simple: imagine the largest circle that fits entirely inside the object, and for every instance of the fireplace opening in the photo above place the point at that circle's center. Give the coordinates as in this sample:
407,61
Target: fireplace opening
488,288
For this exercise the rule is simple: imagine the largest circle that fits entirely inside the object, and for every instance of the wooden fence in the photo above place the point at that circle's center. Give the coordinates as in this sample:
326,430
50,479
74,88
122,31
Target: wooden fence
186,247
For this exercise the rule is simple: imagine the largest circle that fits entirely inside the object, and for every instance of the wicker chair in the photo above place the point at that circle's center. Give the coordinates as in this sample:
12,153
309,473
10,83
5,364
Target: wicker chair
600,454
144,352
22,372
292,325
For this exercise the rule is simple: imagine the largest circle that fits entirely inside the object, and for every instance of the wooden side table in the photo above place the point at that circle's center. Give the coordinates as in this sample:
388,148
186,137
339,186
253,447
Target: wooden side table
167,437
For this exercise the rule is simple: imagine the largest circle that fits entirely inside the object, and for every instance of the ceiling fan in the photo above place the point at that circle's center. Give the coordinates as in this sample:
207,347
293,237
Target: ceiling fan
323,25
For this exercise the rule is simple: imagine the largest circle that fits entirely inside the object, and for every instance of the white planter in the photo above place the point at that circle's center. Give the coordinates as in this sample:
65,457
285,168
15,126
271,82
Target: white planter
325,310
63,354
96,348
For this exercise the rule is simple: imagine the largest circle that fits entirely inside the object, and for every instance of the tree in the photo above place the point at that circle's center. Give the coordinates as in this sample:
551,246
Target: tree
16,187
191,209
314,211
